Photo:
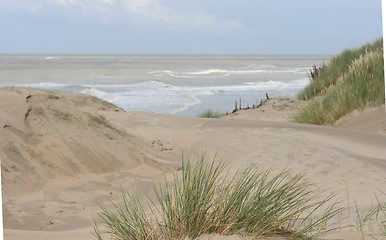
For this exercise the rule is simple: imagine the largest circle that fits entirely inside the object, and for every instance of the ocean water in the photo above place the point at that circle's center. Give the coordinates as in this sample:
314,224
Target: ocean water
184,85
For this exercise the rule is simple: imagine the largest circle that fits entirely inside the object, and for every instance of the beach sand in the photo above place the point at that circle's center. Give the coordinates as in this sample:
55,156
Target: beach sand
62,154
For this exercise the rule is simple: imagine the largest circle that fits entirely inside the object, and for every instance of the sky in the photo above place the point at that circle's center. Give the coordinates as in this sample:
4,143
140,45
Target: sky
220,27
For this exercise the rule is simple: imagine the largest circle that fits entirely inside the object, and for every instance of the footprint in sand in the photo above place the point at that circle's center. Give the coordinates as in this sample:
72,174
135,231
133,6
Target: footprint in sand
157,144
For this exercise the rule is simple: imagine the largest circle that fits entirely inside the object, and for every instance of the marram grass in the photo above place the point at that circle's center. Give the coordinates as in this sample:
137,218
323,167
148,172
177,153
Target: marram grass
338,66
360,85
203,199
375,217
127,221
210,114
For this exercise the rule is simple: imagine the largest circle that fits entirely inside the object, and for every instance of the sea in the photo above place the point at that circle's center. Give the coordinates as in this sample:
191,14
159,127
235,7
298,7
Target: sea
181,85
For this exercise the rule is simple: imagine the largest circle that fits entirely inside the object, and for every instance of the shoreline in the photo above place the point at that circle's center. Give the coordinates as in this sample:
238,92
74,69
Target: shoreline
169,85
71,151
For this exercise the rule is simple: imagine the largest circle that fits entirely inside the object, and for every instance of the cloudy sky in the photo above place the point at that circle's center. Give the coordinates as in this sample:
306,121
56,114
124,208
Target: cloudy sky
187,26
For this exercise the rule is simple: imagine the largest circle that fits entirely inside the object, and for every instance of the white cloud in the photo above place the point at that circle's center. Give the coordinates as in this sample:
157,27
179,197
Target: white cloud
83,3
145,11
102,10
135,5
21,6
150,10
111,2
154,11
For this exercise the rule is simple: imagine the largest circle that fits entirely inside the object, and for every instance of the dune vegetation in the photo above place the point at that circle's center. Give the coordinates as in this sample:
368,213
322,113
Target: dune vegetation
351,81
203,200
210,114
374,217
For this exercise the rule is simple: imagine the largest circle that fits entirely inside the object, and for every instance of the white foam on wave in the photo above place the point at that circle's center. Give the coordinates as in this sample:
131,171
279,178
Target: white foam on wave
161,97
218,73
250,71
53,86
44,85
51,58
157,96
106,96
207,73
259,66
279,85
265,85
169,73
211,72
153,96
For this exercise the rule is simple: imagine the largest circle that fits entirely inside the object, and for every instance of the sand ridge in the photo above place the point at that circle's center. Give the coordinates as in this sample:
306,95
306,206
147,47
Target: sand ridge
56,158
62,153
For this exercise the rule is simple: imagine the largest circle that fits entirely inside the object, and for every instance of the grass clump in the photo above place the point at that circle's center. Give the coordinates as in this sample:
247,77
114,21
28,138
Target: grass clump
64,115
338,66
53,96
353,80
374,217
204,200
128,222
97,119
210,114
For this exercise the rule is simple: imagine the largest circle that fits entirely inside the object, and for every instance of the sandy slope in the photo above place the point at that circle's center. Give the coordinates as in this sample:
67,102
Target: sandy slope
58,160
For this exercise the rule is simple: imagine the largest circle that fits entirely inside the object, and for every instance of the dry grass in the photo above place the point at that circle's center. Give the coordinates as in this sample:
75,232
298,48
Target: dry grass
64,115
96,119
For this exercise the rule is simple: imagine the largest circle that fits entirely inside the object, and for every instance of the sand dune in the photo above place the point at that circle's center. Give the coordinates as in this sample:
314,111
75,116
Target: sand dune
58,155
61,154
